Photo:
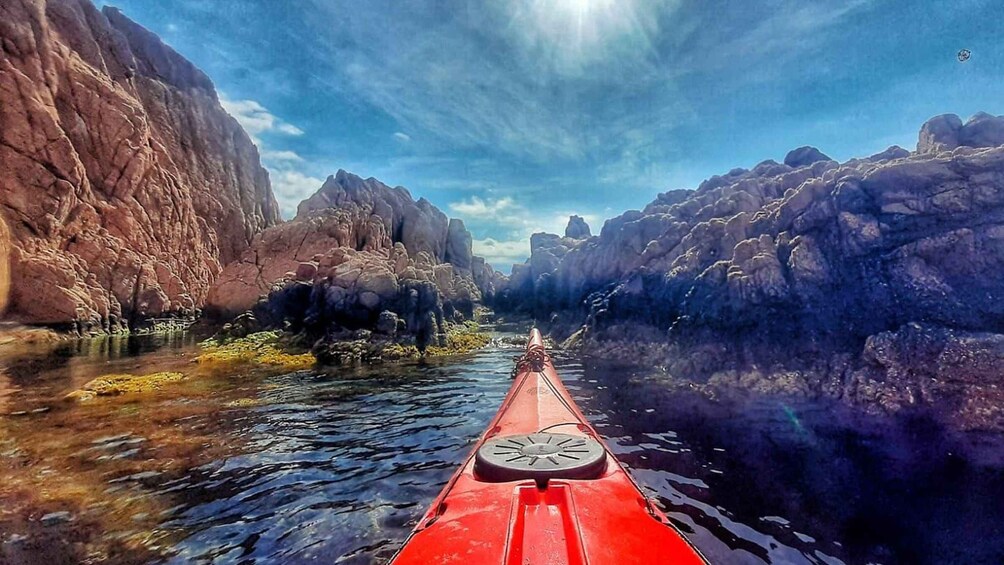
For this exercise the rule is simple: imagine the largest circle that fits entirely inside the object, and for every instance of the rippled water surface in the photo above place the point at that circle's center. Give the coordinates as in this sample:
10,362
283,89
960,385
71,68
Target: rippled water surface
250,466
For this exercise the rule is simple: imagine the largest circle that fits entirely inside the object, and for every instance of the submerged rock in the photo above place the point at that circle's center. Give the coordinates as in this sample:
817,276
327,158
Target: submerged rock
54,518
262,348
125,383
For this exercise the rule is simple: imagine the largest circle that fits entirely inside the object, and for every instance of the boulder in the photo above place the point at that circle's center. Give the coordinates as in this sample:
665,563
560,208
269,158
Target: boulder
804,156
387,323
982,130
940,133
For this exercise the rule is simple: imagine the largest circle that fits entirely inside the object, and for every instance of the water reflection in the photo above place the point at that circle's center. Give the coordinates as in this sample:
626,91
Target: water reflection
337,465
773,480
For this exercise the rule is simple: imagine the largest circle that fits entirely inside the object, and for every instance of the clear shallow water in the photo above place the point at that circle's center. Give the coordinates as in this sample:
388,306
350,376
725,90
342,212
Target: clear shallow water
336,466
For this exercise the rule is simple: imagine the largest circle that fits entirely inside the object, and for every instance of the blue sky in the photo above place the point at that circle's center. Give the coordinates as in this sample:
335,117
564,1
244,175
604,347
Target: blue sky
513,115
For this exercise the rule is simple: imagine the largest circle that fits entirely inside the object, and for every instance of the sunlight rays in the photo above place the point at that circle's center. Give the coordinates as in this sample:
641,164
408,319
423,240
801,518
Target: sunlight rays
574,34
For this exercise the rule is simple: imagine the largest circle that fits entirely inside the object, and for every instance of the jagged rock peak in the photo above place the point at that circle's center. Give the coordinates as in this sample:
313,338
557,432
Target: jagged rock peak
852,248
344,187
419,225
804,156
577,228
361,230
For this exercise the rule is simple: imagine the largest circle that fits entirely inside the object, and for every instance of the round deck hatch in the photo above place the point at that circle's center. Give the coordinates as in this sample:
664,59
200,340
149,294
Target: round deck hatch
539,456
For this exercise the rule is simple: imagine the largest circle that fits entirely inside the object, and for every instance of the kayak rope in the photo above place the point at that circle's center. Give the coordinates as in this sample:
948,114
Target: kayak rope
545,428
533,360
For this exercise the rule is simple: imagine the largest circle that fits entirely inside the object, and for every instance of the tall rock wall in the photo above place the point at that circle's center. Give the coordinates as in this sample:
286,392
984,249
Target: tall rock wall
126,186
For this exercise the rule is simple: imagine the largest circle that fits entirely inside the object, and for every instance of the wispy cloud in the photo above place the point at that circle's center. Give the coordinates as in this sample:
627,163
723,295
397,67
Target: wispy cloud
284,156
540,108
510,76
289,183
480,209
256,119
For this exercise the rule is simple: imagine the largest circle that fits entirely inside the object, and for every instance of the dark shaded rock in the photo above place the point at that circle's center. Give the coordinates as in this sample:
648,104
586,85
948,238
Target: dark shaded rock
577,228
785,259
893,152
387,323
458,245
804,156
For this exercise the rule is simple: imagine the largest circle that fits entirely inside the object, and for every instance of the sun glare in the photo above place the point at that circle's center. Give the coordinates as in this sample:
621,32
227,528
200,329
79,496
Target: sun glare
578,32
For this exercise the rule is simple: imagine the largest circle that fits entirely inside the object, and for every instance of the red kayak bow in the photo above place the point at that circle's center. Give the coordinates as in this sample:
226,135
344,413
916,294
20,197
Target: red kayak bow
541,488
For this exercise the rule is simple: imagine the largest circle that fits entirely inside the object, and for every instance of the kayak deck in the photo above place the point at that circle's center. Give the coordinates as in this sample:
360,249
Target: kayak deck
537,516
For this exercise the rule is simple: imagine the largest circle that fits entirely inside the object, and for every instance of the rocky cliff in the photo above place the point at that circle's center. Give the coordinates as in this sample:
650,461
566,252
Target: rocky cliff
801,256
359,255
125,185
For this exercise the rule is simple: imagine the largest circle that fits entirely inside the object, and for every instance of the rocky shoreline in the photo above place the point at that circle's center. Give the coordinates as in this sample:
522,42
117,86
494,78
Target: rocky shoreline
875,281
956,376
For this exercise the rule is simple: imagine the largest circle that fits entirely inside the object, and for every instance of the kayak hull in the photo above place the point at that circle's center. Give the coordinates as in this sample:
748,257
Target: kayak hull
605,520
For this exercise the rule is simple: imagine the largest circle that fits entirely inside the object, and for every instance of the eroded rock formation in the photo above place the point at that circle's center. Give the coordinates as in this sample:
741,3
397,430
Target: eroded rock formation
812,251
125,185
359,255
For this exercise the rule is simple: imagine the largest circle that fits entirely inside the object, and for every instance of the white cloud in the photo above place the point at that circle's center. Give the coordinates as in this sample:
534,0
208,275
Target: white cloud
281,156
291,187
402,137
288,129
513,224
481,209
502,254
256,119
568,36
515,218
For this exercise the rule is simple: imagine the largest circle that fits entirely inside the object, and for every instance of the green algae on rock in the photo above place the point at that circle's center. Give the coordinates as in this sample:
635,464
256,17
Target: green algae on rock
262,348
363,346
123,383
460,339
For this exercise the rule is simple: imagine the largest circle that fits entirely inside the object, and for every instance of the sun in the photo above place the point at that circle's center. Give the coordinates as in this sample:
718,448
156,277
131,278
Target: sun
578,32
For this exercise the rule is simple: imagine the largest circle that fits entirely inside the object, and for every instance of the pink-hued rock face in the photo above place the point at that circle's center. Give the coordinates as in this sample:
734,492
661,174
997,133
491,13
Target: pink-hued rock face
125,184
365,246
